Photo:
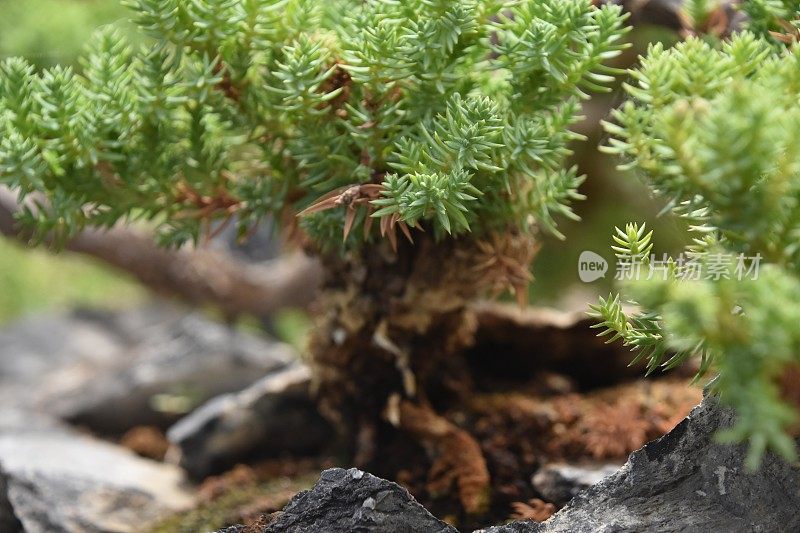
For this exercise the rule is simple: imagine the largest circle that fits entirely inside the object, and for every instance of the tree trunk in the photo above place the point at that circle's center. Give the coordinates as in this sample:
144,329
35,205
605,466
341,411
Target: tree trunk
391,324
388,347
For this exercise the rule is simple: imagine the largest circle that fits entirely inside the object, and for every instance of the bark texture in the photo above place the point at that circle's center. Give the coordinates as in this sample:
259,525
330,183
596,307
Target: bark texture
389,350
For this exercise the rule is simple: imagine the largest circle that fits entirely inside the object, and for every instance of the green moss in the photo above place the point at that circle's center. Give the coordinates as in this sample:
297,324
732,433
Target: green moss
228,509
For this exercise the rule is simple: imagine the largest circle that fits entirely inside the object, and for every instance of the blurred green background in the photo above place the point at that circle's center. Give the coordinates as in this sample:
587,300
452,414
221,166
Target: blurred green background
49,32
53,31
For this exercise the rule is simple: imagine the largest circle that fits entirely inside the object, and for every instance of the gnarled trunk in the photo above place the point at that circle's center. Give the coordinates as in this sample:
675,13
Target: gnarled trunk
388,348
387,342
390,324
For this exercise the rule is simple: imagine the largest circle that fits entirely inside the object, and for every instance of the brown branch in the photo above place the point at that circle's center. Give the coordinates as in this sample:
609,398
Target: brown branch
668,13
654,12
199,276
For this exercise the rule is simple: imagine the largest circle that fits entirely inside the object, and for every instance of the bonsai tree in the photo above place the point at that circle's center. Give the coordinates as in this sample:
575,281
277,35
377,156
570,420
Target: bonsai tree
417,147
712,126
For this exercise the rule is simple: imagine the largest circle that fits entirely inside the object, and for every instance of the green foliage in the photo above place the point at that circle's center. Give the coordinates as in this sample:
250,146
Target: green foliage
714,130
457,114
765,16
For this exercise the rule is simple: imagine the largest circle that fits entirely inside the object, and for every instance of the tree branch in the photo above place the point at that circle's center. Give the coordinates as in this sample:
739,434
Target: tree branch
654,12
198,276
667,13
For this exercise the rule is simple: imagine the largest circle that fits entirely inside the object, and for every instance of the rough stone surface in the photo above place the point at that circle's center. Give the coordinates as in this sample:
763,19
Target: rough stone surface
54,480
684,482
8,520
105,370
352,501
558,483
275,415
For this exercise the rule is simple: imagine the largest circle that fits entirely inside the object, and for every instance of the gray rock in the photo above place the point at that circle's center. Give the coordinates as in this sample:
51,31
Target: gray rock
684,482
8,521
352,501
14,420
33,348
107,371
54,480
558,483
233,529
274,416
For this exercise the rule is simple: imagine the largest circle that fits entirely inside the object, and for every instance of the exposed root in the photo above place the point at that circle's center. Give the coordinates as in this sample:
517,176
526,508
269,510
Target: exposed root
457,458
400,322
403,360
